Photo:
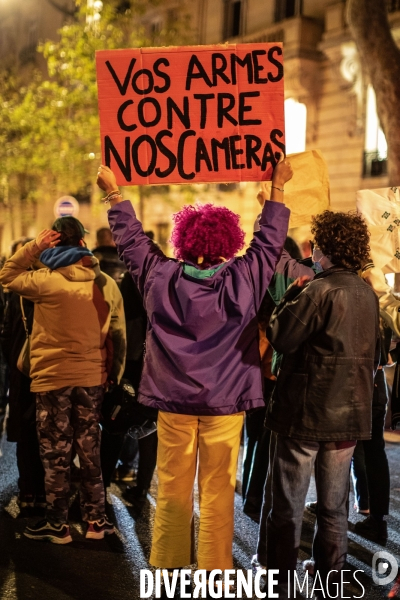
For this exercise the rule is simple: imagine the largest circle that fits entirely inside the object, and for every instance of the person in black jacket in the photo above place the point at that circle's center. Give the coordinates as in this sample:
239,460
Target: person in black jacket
107,255
328,333
21,423
114,446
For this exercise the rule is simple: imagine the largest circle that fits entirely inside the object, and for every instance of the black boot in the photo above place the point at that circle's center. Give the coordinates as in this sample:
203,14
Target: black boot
137,497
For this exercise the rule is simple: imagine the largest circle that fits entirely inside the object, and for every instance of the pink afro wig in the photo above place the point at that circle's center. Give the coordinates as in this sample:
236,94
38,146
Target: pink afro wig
206,230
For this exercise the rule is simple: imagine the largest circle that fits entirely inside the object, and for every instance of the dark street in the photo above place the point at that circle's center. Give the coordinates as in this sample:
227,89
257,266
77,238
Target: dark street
109,569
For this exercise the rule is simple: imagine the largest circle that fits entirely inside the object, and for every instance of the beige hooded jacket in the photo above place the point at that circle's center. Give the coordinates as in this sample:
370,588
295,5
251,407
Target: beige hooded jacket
78,336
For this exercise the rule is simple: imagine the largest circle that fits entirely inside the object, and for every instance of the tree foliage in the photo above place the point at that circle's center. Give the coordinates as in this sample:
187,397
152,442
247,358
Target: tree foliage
49,128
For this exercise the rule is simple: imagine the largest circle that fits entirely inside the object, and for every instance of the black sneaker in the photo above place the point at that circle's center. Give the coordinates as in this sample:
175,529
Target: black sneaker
124,474
137,497
372,529
57,533
98,529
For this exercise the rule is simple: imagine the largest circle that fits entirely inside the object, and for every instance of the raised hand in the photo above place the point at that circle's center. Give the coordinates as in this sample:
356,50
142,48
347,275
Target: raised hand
301,281
282,172
106,179
47,239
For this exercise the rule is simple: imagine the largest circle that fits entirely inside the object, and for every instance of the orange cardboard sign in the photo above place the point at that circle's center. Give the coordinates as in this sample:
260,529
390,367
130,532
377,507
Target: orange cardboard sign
192,113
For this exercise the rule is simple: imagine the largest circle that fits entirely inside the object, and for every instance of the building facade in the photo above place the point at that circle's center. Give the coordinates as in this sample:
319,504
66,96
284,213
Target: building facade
329,103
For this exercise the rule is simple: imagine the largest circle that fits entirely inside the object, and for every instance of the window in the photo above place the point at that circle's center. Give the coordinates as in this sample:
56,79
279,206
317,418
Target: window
295,126
123,7
28,52
375,151
233,18
172,17
155,29
284,9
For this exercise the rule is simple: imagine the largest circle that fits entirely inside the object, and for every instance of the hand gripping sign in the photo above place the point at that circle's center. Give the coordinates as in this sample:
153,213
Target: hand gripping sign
307,193
195,113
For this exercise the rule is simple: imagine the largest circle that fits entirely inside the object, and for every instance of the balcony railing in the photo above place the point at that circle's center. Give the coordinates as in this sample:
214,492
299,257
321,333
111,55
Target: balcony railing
273,33
301,36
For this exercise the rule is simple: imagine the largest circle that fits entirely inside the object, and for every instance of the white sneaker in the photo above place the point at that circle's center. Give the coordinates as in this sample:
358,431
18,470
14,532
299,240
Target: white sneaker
96,530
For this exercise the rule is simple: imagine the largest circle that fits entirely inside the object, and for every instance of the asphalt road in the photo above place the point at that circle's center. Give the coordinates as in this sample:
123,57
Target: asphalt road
109,569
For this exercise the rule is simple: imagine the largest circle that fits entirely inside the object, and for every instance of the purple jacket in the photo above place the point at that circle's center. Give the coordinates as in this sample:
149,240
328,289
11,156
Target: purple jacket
202,354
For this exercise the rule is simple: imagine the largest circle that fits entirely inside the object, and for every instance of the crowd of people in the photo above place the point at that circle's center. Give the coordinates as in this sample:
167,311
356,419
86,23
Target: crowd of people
292,348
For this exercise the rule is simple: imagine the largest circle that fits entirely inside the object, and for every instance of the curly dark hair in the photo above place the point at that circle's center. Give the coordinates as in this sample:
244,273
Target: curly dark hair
342,237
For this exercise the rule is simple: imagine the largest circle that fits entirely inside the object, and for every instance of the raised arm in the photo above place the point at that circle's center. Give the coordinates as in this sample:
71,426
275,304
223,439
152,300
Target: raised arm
137,251
15,275
266,246
286,271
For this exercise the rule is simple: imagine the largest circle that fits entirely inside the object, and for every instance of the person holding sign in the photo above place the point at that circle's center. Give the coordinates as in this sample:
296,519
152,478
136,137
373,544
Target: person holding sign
202,364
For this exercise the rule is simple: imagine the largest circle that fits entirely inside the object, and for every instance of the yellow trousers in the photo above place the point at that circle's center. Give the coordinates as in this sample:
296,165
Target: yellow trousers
187,444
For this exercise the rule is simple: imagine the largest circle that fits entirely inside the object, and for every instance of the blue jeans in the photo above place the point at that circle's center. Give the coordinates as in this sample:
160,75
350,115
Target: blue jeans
291,465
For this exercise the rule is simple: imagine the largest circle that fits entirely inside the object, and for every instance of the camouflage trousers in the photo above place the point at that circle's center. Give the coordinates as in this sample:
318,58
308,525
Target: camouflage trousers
67,419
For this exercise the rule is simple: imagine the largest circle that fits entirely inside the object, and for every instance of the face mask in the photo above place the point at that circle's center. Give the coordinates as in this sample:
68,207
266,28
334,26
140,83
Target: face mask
316,257
318,267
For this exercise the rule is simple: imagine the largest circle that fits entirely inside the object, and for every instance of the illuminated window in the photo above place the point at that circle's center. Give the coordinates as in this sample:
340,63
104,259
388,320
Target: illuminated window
295,126
375,151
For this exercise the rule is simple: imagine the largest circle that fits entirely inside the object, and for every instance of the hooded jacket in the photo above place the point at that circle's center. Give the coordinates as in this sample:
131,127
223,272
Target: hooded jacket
78,335
202,354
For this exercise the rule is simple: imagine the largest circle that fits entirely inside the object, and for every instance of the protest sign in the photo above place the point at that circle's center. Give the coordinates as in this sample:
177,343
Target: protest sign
381,210
192,113
307,193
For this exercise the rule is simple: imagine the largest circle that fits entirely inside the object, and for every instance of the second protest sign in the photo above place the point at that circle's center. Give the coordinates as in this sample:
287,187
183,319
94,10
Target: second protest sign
191,114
